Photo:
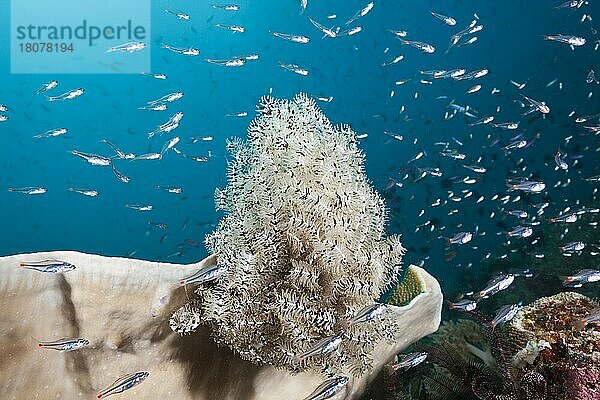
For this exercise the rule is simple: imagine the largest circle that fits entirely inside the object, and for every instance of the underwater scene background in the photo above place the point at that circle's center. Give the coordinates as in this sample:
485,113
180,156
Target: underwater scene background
403,129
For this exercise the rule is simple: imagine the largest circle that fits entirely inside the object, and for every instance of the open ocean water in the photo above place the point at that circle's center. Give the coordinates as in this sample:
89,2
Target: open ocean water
397,122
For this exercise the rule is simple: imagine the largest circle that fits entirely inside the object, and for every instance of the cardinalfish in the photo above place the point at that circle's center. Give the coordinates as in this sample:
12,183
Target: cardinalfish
206,274
52,133
328,389
581,277
568,218
505,314
424,47
179,15
526,186
294,68
464,305
460,238
361,13
189,51
520,231
120,154
559,160
368,313
68,95
233,28
536,105
93,159
499,283
572,247
409,361
65,344
226,7
571,40
228,62
49,266
29,190
47,86
123,383
445,19
85,192
322,347
128,47
291,37
592,318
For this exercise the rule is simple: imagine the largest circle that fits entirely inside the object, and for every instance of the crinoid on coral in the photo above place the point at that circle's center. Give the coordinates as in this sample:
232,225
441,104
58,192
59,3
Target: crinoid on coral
302,243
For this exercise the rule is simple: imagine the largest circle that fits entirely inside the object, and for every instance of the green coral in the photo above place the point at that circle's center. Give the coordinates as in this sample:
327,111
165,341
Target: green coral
408,288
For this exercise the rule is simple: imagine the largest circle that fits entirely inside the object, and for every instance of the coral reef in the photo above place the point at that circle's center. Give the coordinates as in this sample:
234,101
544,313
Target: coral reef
544,353
572,361
555,319
302,244
406,290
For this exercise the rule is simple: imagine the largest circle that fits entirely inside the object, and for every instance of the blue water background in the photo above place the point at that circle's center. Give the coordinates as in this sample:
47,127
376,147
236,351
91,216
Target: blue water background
349,69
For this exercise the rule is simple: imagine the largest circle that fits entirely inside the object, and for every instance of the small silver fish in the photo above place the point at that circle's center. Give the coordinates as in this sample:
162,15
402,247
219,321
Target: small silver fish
228,62
65,344
294,68
409,361
536,105
568,218
52,133
49,266
206,274
155,76
559,161
226,7
179,15
505,314
28,190
139,207
322,347
93,159
527,186
573,246
581,277
85,192
291,37
424,47
128,47
517,213
445,19
464,305
68,95
176,190
368,313
120,176
233,28
123,383
328,389
571,40
593,317
461,238
361,13
190,51
476,168
520,231
47,86
495,285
